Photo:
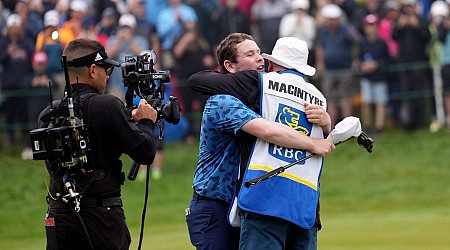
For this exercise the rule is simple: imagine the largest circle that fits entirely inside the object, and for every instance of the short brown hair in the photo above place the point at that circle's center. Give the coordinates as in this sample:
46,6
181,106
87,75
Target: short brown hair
226,50
81,47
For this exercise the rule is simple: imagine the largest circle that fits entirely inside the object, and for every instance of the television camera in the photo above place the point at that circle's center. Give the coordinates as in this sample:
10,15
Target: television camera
140,78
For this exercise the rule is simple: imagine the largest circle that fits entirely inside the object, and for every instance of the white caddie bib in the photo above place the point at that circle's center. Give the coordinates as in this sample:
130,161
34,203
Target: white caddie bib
293,194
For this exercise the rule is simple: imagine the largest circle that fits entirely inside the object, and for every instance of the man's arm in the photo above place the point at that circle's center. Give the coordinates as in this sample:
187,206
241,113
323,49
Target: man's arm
226,113
145,116
242,85
285,136
136,140
317,115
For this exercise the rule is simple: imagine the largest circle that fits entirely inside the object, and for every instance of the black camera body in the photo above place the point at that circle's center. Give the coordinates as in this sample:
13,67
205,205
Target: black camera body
139,76
62,146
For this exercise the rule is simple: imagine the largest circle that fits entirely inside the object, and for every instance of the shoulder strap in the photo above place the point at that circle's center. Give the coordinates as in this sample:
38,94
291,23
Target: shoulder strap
85,102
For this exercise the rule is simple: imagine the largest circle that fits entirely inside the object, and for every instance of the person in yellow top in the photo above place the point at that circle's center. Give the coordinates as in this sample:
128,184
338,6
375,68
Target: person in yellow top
49,42
72,27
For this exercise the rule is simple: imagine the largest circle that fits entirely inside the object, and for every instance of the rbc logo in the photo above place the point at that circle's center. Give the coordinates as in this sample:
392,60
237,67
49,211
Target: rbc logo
295,119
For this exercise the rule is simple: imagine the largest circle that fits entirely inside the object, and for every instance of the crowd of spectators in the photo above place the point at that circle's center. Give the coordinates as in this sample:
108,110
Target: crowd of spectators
398,50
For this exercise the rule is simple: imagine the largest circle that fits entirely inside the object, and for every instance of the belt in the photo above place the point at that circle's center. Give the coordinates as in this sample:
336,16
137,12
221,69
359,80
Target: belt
199,197
89,202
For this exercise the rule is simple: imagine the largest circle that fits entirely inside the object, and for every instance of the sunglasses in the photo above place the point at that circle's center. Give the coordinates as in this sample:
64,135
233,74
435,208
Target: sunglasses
108,68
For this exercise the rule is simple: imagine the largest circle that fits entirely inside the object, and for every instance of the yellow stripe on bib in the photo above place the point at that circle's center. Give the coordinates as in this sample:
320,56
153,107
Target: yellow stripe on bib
284,174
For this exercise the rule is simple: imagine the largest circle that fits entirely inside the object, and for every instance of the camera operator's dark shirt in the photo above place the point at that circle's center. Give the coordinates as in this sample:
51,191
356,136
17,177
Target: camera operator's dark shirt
111,133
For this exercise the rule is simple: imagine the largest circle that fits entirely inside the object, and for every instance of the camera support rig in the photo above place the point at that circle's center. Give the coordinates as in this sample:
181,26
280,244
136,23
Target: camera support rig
63,143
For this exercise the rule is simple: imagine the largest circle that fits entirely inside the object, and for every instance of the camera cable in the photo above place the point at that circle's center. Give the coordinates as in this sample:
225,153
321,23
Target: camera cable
144,209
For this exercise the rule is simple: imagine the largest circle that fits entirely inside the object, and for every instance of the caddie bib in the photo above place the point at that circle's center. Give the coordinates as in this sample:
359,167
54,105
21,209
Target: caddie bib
293,194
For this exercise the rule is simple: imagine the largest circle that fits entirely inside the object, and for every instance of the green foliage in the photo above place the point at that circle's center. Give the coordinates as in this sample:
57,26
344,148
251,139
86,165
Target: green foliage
395,198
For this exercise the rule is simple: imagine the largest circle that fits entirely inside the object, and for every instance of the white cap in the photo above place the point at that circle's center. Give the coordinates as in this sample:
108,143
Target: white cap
439,8
127,20
51,18
392,5
291,53
331,11
79,5
13,20
409,2
300,4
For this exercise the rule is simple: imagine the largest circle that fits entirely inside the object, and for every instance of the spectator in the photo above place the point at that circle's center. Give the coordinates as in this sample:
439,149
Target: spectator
444,37
31,14
204,10
4,13
38,83
192,54
143,27
246,7
349,7
99,6
63,8
438,11
229,19
170,25
374,56
267,15
49,42
89,31
17,50
49,5
413,35
73,26
108,23
334,60
317,7
152,10
362,10
301,25
386,27
123,43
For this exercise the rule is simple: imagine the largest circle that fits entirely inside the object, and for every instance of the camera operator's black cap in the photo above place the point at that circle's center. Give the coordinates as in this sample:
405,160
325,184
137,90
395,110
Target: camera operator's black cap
93,58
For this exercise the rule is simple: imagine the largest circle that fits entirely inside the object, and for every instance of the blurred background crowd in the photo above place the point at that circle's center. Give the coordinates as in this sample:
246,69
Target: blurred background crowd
386,61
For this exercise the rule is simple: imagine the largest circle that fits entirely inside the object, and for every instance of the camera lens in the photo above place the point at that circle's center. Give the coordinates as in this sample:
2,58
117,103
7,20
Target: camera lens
133,78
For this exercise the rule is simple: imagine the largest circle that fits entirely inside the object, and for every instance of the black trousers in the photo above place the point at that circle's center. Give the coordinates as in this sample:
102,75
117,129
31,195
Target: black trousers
106,227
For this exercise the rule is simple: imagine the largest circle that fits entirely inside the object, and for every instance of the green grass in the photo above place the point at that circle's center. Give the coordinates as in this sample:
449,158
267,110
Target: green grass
395,198
398,197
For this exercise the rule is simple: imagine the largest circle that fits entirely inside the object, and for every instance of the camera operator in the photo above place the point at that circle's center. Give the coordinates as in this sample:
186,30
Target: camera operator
99,222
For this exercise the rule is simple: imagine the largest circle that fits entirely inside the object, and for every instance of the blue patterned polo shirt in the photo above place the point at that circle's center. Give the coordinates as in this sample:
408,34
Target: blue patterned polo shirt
219,150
